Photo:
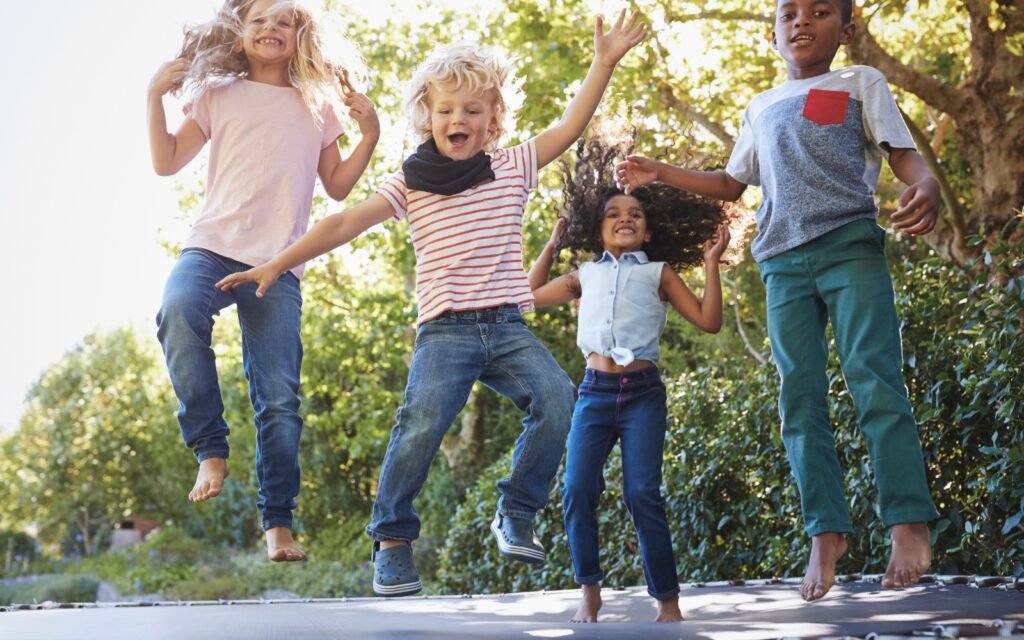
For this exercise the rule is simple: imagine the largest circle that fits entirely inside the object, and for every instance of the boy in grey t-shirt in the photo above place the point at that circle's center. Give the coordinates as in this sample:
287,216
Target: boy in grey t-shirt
815,145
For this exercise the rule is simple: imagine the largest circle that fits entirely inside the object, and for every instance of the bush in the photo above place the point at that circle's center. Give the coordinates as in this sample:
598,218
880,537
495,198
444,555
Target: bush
55,589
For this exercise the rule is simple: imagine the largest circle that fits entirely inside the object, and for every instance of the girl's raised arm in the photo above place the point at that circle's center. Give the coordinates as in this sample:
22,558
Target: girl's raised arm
340,175
170,152
704,314
560,290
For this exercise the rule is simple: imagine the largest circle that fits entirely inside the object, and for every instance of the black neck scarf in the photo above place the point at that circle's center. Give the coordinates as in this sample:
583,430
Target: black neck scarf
427,170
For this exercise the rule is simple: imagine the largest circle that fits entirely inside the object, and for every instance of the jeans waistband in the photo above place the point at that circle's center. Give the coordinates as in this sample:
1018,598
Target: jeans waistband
641,377
499,314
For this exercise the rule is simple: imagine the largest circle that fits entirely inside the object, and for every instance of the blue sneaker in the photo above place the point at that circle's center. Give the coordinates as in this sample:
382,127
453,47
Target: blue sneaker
516,539
394,572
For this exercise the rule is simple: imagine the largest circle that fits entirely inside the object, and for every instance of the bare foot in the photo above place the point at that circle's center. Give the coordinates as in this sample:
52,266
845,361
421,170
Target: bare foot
281,546
826,549
589,605
210,479
668,611
911,555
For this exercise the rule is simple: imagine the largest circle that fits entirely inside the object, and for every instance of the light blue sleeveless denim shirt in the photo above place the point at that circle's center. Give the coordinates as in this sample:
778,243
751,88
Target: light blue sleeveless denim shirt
621,314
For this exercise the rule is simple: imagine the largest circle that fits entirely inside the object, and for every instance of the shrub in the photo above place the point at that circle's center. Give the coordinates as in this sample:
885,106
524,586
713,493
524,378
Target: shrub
56,589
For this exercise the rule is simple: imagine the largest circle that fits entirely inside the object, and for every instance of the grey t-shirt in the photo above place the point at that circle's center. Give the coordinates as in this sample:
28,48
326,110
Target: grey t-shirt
814,148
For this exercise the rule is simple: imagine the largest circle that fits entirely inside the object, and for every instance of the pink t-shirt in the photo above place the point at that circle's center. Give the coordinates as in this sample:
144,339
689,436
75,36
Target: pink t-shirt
469,246
264,150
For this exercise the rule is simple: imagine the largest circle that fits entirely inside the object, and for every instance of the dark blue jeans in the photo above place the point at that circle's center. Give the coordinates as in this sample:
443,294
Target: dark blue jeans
271,355
452,352
629,408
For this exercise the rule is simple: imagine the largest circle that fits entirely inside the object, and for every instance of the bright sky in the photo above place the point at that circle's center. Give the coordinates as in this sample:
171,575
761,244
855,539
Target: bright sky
82,214
81,211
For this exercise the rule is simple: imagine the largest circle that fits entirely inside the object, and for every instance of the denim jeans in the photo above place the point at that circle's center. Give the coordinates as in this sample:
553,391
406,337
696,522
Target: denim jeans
271,355
629,408
451,353
843,277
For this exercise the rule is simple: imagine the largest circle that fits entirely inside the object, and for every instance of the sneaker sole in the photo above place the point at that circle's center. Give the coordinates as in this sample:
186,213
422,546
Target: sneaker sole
396,590
522,554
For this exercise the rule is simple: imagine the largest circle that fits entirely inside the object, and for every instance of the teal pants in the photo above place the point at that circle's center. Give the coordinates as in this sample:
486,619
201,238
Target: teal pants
843,277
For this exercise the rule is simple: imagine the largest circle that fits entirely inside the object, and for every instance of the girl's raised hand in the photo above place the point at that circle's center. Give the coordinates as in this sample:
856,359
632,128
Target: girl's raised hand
264,275
363,112
611,46
168,76
715,247
557,231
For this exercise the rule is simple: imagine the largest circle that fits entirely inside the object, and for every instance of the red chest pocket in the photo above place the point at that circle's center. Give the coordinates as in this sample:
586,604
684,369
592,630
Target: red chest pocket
826,107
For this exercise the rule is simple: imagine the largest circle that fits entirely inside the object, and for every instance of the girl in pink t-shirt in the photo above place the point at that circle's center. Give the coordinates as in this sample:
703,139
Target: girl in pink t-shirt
262,91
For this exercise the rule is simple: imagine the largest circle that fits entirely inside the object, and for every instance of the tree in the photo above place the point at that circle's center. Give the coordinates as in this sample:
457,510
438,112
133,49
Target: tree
91,448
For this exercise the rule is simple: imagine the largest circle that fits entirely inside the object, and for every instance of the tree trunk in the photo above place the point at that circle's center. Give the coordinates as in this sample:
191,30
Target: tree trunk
463,449
987,109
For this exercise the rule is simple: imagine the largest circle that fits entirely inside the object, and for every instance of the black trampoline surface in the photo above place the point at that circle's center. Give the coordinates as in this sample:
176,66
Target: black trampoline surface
721,612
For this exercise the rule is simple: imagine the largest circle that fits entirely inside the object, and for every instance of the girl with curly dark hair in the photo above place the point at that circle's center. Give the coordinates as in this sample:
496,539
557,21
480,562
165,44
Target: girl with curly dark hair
637,241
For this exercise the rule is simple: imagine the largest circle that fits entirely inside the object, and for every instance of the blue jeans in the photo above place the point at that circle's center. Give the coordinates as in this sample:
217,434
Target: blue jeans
630,408
451,353
271,355
842,277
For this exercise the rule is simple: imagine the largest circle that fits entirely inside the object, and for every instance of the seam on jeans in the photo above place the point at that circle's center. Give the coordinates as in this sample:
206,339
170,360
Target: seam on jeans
513,475
247,343
209,318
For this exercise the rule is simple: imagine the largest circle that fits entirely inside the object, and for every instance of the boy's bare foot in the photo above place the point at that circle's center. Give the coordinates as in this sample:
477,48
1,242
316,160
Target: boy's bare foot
826,549
911,555
281,546
668,611
589,605
210,479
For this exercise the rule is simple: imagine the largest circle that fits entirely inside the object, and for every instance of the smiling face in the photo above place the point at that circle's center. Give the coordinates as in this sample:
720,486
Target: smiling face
270,32
624,225
461,121
807,35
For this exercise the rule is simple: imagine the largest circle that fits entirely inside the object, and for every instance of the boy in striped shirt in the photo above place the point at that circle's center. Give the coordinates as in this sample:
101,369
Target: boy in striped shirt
464,199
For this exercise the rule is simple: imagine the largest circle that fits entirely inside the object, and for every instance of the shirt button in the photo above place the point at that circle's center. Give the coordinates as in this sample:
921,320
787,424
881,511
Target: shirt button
607,321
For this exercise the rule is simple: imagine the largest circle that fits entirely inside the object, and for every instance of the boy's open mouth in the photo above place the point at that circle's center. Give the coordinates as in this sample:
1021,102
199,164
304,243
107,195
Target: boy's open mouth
801,37
458,138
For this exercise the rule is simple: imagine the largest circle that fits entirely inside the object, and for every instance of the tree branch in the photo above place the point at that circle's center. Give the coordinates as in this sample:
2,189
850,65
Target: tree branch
728,16
746,339
748,345
983,41
864,49
715,129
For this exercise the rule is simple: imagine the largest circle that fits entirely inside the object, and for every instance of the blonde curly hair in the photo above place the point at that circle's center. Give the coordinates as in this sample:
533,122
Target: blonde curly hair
214,52
481,70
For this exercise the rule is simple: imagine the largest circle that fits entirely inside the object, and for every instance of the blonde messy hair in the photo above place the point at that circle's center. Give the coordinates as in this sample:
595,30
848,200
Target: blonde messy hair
480,69
214,52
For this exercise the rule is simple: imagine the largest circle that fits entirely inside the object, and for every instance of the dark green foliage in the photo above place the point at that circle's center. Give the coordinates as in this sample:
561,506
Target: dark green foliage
51,589
731,501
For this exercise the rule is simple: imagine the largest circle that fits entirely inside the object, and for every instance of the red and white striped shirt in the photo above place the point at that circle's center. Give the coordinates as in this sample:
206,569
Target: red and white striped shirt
469,246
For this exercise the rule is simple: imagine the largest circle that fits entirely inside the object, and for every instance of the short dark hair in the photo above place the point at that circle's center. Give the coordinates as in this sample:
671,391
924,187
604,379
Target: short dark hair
846,10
